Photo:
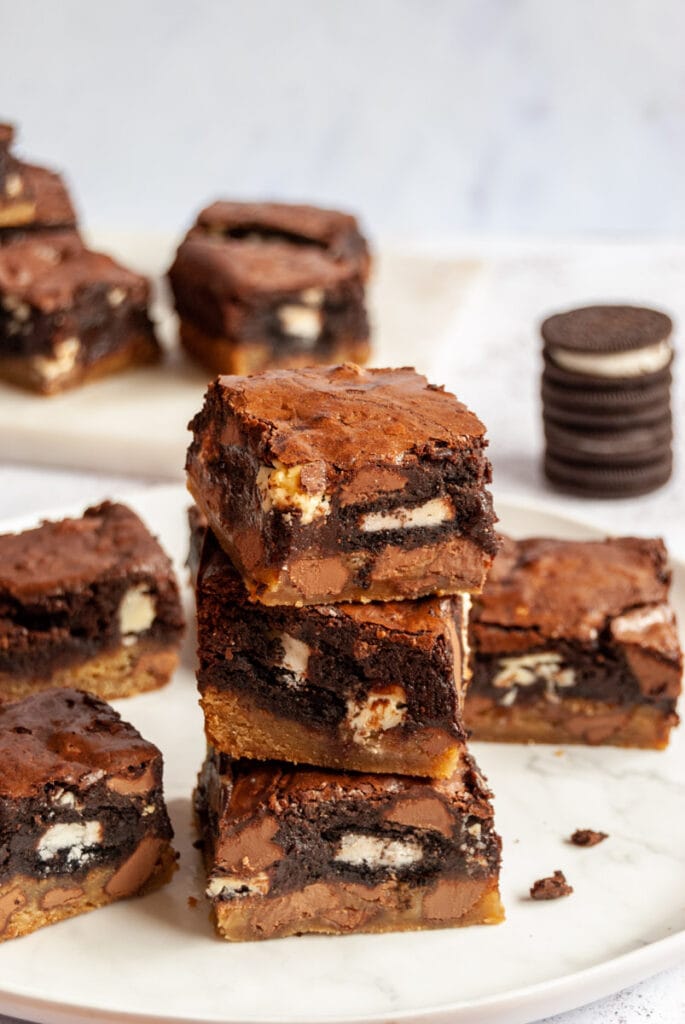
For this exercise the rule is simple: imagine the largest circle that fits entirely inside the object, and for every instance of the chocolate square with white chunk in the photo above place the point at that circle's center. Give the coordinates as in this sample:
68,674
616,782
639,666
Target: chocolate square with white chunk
82,814
344,484
263,285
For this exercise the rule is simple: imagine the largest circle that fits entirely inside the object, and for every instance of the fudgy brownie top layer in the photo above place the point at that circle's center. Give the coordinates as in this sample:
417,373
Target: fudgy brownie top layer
598,329
51,272
342,416
64,736
274,787
570,589
57,557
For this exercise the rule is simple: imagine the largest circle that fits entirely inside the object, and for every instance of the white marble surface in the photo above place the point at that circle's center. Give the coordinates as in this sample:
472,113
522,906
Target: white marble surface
427,116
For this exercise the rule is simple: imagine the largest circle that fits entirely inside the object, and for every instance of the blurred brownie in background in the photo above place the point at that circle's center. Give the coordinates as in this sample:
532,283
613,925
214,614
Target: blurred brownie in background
260,285
31,198
575,642
68,315
91,603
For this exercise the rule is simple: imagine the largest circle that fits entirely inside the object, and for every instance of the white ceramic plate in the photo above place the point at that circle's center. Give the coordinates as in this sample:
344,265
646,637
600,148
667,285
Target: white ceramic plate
156,959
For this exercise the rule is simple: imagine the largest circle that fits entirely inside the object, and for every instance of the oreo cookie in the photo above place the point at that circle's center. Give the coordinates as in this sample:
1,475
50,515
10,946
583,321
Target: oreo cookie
591,480
606,395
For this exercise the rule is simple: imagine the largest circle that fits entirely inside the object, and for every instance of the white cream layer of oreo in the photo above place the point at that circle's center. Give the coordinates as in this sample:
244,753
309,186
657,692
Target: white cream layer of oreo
527,669
75,837
136,613
633,363
361,850
432,513
295,658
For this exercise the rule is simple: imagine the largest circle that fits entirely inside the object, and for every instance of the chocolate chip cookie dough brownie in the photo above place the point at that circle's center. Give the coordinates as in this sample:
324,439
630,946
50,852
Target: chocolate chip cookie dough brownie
82,814
260,285
89,602
575,642
292,850
370,687
68,315
31,198
344,484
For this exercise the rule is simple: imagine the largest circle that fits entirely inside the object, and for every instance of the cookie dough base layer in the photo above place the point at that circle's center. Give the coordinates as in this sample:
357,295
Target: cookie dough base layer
239,727
139,350
110,675
226,355
570,721
27,904
342,908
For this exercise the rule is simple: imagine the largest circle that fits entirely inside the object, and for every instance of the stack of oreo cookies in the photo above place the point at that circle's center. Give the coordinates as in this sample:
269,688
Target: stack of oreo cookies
606,396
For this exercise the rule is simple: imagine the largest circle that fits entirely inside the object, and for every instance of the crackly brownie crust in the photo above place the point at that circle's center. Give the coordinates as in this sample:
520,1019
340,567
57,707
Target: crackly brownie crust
91,602
343,484
31,198
371,687
261,285
82,813
291,850
574,641
68,314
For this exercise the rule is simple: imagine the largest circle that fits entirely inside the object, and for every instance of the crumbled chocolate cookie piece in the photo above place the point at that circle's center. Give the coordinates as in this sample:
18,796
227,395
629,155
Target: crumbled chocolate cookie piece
551,888
588,837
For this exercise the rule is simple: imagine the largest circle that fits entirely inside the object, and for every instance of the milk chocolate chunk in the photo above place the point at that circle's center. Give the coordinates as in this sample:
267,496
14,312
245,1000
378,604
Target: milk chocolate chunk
68,315
576,642
78,828
344,484
290,850
89,602
260,285
371,687
32,199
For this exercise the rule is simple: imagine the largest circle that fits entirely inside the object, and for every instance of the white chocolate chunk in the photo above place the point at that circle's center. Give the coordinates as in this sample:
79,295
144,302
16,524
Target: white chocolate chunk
527,669
279,488
299,321
360,850
230,886
295,656
74,836
380,711
115,296
432,513
61,362
641,619
136,612
633,363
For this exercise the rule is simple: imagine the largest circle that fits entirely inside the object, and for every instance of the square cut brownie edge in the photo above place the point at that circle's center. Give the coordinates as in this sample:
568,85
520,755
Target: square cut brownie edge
376,687
82,815
344,484
293,850
91,603
575,642
264,285
68,315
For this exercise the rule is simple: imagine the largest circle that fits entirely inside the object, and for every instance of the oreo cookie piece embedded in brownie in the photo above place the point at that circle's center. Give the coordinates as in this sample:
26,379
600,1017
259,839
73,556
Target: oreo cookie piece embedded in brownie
575,642
292,850
31,198
89,602
371,687
259,285
82,814
68,315
344,484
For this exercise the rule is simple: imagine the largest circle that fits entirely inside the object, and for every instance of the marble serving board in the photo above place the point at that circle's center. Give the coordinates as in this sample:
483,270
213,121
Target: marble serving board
135,423
157,960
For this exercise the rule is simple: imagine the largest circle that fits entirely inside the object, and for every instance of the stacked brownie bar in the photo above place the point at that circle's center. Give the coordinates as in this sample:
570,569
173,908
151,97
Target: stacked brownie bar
343,522
32,199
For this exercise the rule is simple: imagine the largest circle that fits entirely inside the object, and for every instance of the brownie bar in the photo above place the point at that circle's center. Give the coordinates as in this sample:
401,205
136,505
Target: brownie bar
575,642
88,602
82,814
293,850
31,198
68,315
344,484
260,285
370,687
